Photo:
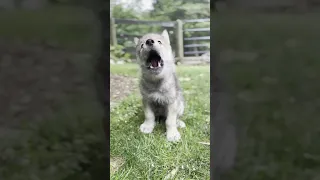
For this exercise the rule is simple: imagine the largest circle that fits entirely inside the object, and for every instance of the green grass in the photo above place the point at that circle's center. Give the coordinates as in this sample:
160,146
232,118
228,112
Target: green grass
151,156
279,117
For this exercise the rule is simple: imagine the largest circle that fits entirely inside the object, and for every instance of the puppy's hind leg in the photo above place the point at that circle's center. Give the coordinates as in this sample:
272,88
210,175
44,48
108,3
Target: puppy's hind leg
171,123
180,124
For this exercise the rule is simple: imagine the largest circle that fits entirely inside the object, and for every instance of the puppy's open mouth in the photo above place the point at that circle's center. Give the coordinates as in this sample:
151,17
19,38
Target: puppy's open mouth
154,60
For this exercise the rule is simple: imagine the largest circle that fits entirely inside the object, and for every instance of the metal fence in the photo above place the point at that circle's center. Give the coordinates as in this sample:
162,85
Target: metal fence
193,42
185,47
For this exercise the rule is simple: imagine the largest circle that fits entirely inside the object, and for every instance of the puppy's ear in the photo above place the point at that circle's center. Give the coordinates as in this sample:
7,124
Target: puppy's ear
165,34
136,40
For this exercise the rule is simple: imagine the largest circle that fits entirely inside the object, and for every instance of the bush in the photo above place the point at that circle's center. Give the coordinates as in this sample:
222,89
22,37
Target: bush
117,53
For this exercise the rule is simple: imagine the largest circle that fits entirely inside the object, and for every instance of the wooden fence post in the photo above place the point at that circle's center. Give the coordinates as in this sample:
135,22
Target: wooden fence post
113,32
179,36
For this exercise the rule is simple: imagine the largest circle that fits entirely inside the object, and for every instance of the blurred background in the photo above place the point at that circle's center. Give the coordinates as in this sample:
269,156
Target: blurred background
268,55
50,118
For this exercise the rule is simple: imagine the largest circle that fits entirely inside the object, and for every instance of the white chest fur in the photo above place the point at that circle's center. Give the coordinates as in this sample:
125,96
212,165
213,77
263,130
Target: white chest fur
161,98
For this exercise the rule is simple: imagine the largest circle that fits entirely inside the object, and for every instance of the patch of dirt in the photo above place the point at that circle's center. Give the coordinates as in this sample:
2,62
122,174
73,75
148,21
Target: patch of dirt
115,164
121,87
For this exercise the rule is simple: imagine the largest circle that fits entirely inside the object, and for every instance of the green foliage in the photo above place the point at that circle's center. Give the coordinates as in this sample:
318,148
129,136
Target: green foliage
172,9
117,53
124,13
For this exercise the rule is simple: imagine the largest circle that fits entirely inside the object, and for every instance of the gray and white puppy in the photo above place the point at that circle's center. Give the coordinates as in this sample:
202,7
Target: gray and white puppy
161,93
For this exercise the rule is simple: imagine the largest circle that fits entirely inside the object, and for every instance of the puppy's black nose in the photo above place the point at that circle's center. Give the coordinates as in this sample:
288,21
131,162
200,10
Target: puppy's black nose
149,42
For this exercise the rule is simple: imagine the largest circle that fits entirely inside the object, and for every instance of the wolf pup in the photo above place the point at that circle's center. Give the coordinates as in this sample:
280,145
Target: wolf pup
161,93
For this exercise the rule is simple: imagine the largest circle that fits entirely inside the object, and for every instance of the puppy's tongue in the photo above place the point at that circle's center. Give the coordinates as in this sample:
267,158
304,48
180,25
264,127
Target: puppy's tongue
154,63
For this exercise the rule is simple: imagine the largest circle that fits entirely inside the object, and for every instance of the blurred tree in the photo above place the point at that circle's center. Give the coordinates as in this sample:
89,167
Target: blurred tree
120,12
181,9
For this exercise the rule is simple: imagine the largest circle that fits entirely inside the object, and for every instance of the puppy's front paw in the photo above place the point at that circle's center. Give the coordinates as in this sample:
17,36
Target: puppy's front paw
146,128
173,135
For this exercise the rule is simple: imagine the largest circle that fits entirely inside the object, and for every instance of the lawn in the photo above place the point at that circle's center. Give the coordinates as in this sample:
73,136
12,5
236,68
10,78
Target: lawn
151,156
271,64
